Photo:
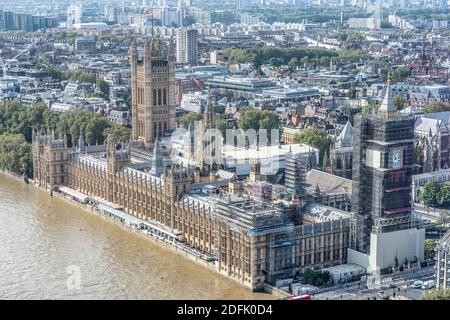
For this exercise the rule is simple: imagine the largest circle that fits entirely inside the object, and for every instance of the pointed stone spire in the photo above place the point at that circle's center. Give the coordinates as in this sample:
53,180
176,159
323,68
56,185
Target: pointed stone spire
171,50
148,48
317,191
81,144
208,114
345,138
157,47
387,108
325,161
158,161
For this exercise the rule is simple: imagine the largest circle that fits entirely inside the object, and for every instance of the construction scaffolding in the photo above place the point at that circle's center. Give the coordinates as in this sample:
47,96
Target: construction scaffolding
381,187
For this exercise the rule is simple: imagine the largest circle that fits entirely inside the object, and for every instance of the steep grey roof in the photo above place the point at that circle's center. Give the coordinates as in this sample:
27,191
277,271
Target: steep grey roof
345,138
425,125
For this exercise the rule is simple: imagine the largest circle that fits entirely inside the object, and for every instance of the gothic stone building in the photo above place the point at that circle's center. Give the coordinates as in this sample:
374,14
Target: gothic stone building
432,146
341,154
250,241
153,92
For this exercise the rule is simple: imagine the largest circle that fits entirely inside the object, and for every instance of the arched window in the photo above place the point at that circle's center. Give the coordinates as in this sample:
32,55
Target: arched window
159,97
164,97
154,97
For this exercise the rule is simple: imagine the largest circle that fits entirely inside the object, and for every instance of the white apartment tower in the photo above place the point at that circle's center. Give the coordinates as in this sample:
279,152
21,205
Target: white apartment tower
187,46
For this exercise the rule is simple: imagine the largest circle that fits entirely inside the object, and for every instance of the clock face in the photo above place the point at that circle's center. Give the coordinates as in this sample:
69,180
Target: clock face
396,158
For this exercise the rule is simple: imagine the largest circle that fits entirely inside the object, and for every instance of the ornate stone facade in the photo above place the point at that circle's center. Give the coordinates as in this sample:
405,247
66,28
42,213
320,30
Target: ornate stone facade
153,92
341,154
249,240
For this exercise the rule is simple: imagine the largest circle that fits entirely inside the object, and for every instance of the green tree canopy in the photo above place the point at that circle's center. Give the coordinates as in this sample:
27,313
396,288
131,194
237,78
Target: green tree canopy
431,193
429,248
189,117
257,119
352,93
293,63
15,154
120,133
316,138
437,294
400,73
223,125
399,102
316,278
103,87
435,194
436,106
279,55
276,62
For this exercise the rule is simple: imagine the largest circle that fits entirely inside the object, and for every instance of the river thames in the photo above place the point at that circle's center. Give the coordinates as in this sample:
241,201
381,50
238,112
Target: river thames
51,249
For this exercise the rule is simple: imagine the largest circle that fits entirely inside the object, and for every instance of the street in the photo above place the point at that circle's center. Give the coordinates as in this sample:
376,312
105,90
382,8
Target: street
353,291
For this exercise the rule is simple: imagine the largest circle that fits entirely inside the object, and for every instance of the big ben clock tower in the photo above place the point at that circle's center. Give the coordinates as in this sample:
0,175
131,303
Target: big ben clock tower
383,165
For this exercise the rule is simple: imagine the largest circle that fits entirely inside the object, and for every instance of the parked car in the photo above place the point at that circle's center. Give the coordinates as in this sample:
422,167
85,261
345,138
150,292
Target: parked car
417,284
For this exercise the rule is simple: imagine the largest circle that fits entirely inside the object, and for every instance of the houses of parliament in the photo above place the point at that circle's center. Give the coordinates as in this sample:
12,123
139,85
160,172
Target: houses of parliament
248,239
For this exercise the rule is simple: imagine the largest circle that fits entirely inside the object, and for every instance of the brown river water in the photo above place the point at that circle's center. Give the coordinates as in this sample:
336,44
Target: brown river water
52,249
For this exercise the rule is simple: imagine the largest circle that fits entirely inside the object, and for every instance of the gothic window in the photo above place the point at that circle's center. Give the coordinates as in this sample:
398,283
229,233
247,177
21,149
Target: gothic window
159,97
154,97
164,97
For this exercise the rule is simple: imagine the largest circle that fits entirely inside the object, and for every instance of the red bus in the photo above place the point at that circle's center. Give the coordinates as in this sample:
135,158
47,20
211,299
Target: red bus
302,297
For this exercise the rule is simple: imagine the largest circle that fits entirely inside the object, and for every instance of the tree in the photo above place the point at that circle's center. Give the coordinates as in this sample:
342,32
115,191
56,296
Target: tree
87,77
89,124
352,93
293,63
103,87
304,60
15,154
55,73
316,278
228,93
400,73
316,138
276,62
223,125
120,133
437,294
436,106
444,196
399,102
429,248
431,193
353,54
188,118
256,119
443,218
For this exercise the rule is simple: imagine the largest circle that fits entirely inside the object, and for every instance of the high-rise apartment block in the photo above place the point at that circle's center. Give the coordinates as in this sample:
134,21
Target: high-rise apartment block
187,46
